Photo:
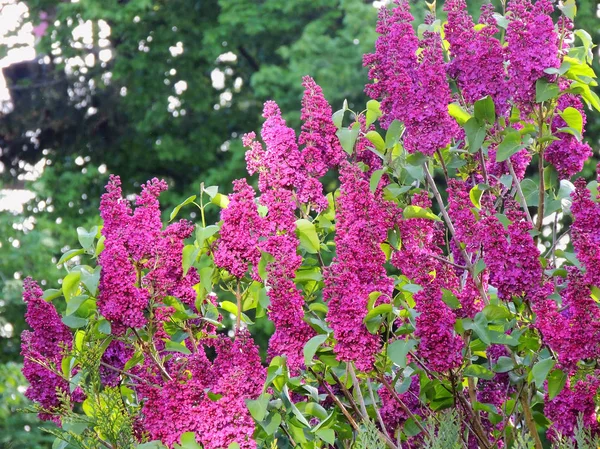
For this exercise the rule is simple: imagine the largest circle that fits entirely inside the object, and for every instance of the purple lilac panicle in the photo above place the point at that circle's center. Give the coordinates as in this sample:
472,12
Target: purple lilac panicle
42,349
477,57
532,48
358,267
237,246
184,404
567,154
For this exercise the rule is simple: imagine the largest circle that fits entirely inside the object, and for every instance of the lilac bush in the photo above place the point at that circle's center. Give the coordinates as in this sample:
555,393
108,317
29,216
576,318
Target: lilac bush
445,294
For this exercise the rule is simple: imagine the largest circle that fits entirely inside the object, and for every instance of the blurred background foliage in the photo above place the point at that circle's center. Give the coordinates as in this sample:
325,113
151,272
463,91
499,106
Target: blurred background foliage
164,88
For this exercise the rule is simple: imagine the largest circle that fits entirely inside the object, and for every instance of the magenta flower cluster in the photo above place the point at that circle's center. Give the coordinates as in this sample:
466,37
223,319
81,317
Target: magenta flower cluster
42,349
141,261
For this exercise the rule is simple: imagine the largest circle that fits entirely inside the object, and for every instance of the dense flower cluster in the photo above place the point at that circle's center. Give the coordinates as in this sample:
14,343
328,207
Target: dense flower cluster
237,246
584,231
419,260
532,48
322,149
42,349
357,270
579,311
511,255
413,89
392,65
568,154
477,58
571,403
140,261
208,398
280,172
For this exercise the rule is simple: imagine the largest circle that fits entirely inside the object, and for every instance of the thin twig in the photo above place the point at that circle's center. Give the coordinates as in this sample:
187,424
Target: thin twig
464,254
361,400
379,419
442,259
517,185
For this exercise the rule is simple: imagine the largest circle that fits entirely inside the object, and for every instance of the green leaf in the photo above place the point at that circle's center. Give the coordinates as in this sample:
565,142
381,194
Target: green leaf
338,118
311,347
74,303
495,312
450,299
86,238
485,110
573,118
540,371
544,90
480,326
70,284
478,371
69,255
104,326
203,234
398,350
419,212
220,200
307,233
572,131
381,309
99,246
177,208
509,146
373,112
377,140
348,138
475,130
74,322
568,8
190,254
173,346
51,293
475,195
531,191
91,280
504,365
479,267
501,20
258,407
272,424
458,113
188,441
556,382
375,178
392,136
327,435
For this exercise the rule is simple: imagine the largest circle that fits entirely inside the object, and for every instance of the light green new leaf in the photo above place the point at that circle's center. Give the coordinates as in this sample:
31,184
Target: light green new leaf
177,208
573,118
419,212
307,233
458,113
70,284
